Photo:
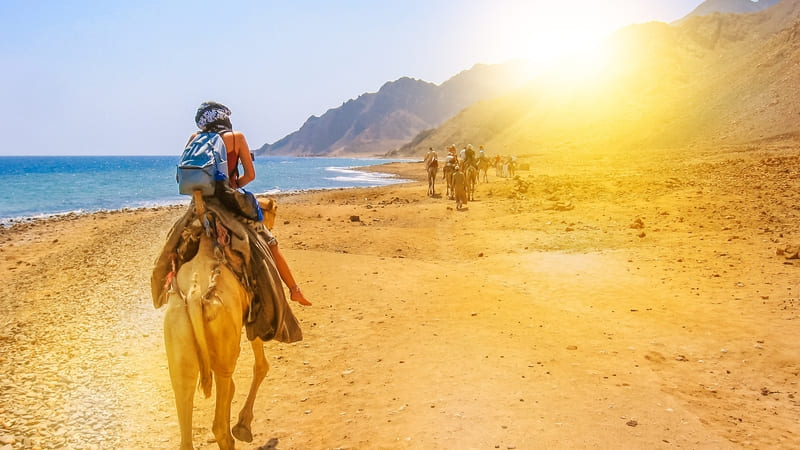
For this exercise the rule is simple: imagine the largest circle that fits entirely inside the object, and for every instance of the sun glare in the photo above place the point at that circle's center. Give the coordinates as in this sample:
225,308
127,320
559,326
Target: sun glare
584,66
548,45
550,32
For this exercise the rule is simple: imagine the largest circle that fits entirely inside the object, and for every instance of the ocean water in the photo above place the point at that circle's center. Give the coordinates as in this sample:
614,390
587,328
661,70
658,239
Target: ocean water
40,186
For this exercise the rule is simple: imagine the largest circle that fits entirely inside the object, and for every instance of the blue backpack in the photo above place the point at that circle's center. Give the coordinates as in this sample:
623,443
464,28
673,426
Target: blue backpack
203,162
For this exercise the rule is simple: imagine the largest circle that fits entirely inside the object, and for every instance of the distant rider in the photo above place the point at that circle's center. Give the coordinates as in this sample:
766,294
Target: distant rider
469,157
431,158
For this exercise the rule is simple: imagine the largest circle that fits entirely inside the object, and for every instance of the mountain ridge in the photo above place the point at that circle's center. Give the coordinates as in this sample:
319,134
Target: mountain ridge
728,7
374,123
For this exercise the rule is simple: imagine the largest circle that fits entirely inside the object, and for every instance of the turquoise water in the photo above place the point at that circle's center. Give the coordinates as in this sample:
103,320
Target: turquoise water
36,186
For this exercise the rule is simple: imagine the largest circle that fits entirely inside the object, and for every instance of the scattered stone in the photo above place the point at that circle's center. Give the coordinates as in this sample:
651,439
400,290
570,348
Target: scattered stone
637,224
789,251
355,219
631,423
563,206
765,392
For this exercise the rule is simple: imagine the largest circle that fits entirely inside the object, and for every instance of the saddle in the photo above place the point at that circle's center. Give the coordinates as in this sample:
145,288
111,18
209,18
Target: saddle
244,248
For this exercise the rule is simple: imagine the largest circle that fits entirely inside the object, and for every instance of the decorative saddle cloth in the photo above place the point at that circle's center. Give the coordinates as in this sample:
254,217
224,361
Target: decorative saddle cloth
244,248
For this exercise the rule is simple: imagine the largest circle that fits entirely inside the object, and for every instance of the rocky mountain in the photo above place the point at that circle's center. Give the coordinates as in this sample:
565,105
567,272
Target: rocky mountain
375,123
720,78
729,7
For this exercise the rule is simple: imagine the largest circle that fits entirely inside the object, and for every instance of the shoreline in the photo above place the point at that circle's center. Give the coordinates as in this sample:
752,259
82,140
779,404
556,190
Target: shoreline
11,222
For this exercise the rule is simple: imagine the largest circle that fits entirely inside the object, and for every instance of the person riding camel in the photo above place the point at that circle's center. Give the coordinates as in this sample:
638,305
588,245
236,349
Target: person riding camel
469,157
482,155
451,150
243,242
431,158
450,161
215,117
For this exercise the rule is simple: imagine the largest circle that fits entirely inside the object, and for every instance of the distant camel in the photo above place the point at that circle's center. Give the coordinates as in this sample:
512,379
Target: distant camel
447,174
206,307
432,169
472,179
483,168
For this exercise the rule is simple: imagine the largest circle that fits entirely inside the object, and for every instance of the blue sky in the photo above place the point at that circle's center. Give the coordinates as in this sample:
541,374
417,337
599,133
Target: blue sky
123,78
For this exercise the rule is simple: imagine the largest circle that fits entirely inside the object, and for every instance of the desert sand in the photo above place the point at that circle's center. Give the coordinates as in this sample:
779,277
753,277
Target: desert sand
635,300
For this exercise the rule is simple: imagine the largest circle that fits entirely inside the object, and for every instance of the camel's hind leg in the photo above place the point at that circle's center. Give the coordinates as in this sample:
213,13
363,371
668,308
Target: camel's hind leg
242,430
183,367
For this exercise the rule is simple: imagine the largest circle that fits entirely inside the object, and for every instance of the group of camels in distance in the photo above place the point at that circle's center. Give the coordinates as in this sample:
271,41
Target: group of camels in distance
462,174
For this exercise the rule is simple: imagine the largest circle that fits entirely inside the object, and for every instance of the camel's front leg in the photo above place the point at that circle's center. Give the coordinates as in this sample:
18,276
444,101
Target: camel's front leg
222,412
260,368
183,367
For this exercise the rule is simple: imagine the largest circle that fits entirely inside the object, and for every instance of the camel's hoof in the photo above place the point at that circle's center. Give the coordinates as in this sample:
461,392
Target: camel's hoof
242,433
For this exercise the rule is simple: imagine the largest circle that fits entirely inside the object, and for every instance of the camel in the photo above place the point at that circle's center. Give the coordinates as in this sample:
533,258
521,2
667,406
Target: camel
432,169
483,168
472,177
202,332
447,175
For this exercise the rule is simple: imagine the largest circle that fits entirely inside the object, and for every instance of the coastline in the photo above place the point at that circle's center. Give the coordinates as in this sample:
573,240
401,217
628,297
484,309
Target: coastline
183,201
544,314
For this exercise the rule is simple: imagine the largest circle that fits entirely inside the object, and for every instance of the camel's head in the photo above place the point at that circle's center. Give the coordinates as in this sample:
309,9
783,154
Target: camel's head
270,209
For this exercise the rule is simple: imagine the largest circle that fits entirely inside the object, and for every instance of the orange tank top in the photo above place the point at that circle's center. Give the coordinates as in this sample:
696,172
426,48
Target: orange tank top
233,154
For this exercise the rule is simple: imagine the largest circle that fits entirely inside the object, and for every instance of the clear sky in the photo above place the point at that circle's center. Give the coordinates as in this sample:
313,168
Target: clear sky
113,77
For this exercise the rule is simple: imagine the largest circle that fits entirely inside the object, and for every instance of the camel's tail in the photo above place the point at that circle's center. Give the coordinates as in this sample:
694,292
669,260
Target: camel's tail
194,299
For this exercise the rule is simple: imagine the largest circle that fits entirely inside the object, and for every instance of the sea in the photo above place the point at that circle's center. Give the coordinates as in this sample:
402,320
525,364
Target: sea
43,186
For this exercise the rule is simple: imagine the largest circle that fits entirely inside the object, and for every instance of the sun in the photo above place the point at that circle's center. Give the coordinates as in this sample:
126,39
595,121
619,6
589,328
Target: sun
554,43
544,32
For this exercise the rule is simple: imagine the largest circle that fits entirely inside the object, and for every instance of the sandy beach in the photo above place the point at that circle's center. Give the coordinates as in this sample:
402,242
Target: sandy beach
613,300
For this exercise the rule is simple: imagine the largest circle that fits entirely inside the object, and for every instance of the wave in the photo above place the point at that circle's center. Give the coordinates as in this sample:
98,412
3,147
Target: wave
350,175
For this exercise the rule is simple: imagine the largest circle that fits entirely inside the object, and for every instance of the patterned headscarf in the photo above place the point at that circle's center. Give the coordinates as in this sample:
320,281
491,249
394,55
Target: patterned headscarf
213,116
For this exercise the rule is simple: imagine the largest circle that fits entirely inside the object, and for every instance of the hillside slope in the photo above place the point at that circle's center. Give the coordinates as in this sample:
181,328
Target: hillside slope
719,78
